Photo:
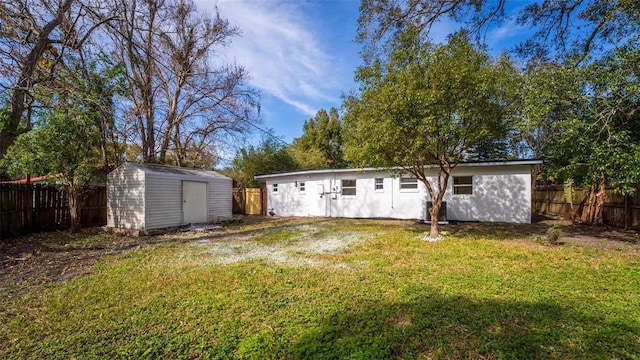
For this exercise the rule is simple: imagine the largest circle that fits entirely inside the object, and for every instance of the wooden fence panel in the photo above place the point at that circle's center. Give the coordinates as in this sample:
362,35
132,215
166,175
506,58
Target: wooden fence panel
26,208
94,207
619,210
249,201
52,211
15,208
253,201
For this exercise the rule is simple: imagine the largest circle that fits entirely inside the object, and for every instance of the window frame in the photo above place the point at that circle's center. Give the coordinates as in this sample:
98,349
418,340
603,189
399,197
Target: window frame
302,187
404,181
457,187
380,182
274,188
343,187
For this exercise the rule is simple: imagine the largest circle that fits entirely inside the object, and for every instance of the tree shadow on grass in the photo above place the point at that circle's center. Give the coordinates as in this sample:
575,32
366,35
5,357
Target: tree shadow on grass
458,327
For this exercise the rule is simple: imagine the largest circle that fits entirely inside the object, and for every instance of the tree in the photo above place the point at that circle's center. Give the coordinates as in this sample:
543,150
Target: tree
601,147
576,103
180,100
69,142
271,156
320,145
307,158
547,96
35,36
426,106
569,27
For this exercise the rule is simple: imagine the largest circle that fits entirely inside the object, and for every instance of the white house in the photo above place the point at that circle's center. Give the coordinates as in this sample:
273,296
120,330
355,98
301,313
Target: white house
498,191
151,196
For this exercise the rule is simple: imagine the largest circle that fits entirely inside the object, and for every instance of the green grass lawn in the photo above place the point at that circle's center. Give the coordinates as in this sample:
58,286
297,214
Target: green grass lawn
329,289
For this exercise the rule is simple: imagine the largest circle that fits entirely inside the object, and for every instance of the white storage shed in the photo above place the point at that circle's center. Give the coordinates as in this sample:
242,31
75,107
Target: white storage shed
494,191
152,196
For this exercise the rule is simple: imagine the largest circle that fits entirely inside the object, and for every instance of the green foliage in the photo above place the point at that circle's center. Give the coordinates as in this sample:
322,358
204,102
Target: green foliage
5,114
70,139
574,104
548,95
307,159
602,144
75,140
271,156
428,104
569,191
62,143
553,236
320,145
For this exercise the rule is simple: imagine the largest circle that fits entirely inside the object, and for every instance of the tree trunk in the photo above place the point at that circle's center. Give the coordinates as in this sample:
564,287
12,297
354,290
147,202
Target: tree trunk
601,197
588,207
74,208
24,84
535,172
435,209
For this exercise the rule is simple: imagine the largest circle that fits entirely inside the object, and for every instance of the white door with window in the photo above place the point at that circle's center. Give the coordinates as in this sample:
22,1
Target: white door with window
194,202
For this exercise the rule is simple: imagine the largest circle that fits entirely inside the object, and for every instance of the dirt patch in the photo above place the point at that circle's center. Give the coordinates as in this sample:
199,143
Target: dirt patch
603,237
46,257
295,251
35,259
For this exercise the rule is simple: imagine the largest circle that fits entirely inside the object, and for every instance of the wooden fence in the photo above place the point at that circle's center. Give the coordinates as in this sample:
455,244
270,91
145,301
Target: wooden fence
249,201
619,210
26,208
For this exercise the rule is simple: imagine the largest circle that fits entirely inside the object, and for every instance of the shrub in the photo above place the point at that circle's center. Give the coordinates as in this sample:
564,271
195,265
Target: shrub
554,234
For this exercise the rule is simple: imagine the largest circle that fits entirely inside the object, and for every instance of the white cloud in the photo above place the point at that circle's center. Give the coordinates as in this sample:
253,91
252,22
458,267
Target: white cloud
442,29
508,32
281,50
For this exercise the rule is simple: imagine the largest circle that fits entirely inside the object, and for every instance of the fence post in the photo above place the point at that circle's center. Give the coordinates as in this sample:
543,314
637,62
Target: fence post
36,205
548,199
626,211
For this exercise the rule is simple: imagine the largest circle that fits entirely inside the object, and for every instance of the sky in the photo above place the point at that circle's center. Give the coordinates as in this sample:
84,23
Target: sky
301,54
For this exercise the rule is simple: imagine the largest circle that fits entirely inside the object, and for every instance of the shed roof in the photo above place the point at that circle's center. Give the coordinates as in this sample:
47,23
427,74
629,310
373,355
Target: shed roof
529,162
174,171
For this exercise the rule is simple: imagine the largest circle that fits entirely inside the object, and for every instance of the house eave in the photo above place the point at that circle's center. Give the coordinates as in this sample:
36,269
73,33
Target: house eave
529,162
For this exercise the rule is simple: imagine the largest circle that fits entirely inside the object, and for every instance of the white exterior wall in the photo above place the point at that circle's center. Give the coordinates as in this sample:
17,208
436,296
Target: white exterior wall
220,199
500,194
163,201
390,202
125,198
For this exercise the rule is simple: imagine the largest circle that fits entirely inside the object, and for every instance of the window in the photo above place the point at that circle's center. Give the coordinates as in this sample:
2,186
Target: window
301,187
379,184
274,188
348,187
463,185
408,184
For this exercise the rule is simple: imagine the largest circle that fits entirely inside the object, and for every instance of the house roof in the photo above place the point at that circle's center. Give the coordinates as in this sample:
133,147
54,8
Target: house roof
529,162
32,180
174,171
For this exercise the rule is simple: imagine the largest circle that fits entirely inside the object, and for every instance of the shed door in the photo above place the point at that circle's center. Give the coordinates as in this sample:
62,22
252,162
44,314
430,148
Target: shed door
194,202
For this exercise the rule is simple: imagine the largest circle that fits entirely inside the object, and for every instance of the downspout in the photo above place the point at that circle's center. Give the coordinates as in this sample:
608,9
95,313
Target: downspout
392,187
331,190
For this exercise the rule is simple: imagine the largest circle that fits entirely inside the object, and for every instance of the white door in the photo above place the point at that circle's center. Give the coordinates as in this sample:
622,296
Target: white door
194,202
